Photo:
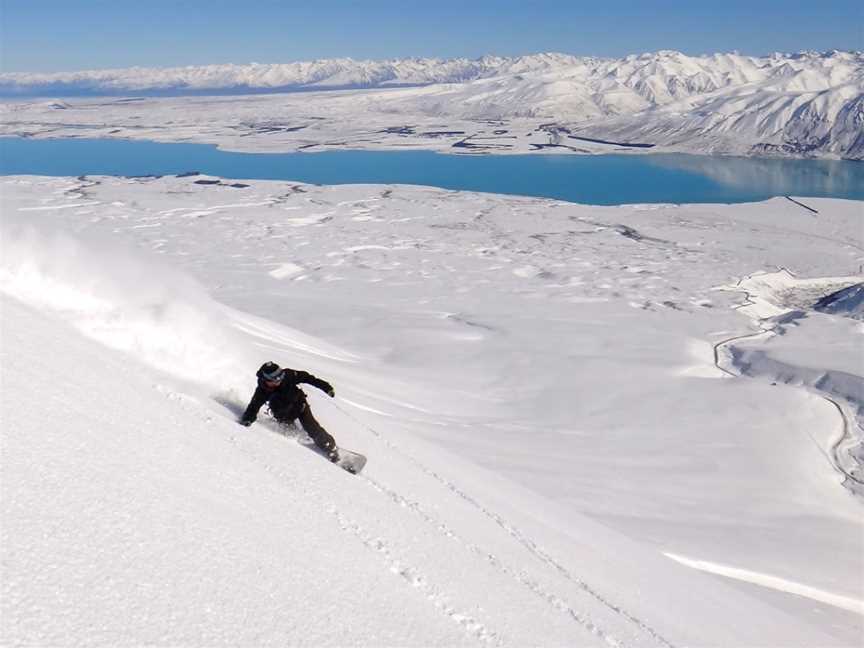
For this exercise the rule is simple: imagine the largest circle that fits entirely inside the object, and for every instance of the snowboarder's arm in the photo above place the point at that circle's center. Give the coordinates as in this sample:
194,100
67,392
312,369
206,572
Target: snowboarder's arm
309,379
251,413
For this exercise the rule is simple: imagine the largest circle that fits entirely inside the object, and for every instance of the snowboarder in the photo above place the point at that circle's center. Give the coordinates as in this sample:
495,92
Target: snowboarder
278,387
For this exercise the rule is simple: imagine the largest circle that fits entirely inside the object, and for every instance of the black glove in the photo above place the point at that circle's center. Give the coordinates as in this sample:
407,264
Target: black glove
245,422
327,388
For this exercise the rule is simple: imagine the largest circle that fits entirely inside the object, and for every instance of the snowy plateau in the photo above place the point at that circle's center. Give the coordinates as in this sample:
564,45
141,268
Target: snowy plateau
799,105
633,426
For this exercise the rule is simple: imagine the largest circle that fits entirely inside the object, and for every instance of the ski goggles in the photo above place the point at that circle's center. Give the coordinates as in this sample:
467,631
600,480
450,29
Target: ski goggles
273,381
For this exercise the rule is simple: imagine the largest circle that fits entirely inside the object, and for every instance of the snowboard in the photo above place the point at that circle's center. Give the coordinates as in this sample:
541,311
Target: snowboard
351,461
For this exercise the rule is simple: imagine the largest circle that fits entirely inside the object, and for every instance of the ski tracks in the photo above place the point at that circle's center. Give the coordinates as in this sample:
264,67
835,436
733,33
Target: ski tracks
614,613
415,578
389,552
519,576
582,619
399,554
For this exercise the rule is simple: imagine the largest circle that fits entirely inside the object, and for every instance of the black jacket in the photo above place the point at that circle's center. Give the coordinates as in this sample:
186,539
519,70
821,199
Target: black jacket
287,400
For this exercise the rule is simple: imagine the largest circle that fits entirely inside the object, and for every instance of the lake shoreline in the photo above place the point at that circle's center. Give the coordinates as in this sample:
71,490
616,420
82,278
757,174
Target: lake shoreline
608,179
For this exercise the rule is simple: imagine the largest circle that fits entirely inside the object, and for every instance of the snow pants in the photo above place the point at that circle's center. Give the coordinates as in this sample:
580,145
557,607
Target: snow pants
313,428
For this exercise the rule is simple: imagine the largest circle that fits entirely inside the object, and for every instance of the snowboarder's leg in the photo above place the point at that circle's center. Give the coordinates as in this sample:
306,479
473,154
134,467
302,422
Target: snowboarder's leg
319,435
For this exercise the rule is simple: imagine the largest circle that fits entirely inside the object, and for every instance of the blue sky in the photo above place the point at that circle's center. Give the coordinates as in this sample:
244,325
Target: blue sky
55,35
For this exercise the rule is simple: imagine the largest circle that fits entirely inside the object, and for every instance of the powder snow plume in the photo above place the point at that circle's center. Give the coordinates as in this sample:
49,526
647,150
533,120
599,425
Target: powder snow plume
124,298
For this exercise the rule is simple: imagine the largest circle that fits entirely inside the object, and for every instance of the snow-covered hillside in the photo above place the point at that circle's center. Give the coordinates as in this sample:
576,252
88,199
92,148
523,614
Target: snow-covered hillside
804,104
651,78
558,452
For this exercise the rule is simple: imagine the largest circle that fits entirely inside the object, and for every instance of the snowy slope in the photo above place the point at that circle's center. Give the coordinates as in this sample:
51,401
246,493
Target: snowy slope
137,512
533,382
804,104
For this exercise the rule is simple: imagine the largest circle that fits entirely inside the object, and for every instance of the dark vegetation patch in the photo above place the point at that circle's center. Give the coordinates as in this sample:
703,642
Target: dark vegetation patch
553,128
267,128
442,133
600,141
538,147
474,146
793,147
233,185
399,130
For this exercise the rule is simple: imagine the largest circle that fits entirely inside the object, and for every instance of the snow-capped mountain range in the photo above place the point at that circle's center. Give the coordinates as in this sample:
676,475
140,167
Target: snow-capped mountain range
804,104
656,77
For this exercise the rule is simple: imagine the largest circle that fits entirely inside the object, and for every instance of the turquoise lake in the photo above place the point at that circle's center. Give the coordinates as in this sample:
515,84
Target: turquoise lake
597,179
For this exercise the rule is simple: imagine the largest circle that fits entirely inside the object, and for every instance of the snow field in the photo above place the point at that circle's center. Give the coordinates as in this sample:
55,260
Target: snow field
147,516
536,442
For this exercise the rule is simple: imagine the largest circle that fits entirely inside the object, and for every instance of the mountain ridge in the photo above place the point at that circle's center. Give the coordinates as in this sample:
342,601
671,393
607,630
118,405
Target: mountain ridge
333,71
806,104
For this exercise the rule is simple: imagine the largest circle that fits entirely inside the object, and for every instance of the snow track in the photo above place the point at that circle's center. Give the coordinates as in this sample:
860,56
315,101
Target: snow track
395,556
392,558
535,551
552,599
416,579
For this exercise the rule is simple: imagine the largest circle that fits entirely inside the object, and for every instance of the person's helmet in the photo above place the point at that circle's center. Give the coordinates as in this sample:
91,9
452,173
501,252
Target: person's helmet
270,372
